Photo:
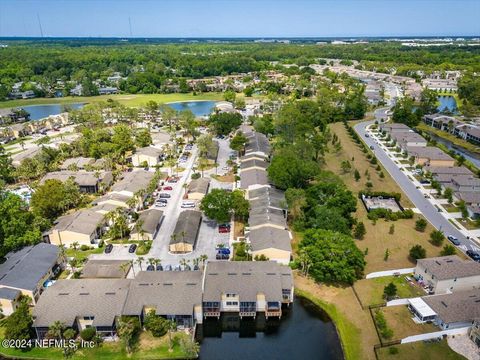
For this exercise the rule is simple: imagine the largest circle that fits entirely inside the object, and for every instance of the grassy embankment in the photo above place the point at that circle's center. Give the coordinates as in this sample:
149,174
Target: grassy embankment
447,136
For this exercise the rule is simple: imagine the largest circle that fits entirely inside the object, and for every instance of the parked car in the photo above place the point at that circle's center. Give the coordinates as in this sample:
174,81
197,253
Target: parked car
161,200
173,179
225,251
132,248
475,256
150,268
223,229
453,239
371,147
366,135
164,196
108,249
168,267
222,256
159,268
160,204
188,204
167,188
225,225
196,268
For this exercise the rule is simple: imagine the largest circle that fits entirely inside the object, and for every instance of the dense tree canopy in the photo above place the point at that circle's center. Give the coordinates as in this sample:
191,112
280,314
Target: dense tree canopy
333,256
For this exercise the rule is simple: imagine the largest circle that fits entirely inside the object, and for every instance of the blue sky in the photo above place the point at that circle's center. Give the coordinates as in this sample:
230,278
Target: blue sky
230,18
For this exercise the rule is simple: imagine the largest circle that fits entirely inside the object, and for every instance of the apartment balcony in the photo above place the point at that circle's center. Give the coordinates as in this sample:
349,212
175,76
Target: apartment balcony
273,313
211,312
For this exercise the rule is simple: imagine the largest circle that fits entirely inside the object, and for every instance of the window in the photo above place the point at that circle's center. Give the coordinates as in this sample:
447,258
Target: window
232,303
88,317
229,295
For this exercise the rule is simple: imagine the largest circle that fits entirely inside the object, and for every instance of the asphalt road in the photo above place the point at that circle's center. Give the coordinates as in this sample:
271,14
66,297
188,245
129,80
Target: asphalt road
421,203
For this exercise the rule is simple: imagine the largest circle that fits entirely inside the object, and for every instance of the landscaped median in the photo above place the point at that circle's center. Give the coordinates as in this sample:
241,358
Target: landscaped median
148,348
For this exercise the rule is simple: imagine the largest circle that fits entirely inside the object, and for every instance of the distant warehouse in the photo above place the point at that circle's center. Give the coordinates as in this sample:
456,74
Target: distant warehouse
184,236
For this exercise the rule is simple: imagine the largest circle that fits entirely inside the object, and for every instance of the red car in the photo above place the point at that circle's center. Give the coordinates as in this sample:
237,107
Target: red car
167,188
223,229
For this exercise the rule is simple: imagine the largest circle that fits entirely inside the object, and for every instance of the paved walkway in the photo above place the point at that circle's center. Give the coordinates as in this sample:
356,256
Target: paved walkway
389,273
464,346
433,335
397,302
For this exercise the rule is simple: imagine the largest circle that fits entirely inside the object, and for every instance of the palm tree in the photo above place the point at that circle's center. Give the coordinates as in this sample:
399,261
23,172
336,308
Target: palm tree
140,261
139,228
56,330
184,262
203,258
151,261
74,245
182,234
131,263
157,262
124,267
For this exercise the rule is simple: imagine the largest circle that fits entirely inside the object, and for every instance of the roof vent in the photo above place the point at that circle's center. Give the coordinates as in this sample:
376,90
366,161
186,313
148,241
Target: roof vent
444,304
84,294
109,293
63,294
167,284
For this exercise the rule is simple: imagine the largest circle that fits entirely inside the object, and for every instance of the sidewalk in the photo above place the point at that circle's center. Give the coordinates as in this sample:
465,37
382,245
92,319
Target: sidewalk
389,273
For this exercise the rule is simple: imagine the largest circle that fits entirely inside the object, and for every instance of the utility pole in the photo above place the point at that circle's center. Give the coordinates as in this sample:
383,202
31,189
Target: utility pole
40,25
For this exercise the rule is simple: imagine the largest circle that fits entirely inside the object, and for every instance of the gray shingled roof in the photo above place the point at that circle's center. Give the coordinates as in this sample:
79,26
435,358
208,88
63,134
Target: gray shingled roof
470,197
268,216
253,177
253,163
80,162
9,294
461,306
246,279
82,178
450,267
151,218
466,180
25,268
189,223
268,237
83,221
149,151
267,197
199,185
133,181
105,269
451,170
257,142
66,299
429,152
251,157
169,292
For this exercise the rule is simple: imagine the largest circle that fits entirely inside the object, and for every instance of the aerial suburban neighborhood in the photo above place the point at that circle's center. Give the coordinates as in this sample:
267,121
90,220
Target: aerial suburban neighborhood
215,196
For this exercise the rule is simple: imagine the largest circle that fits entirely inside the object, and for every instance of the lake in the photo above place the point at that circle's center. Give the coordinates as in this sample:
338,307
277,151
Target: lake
304,332
38,112
447,103
199,108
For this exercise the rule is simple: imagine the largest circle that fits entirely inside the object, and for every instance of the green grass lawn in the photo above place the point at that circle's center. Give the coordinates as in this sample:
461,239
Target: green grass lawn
370,291
126,99
349,334
420,350
450,208
469,224
81,255
148,348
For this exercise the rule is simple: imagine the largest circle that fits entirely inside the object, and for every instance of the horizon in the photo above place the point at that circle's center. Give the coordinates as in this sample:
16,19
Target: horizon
237,19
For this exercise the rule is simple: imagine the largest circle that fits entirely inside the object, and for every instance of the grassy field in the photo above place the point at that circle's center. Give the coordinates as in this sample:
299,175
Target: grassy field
428,351
370,291
148,348
128,100
81,255
378,238
399,319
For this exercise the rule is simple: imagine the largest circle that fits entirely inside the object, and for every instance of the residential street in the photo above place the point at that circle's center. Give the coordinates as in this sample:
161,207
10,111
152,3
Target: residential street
415,195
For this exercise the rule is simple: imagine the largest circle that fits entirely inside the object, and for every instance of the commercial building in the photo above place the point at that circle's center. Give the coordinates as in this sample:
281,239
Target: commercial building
25,272
185,234
448,274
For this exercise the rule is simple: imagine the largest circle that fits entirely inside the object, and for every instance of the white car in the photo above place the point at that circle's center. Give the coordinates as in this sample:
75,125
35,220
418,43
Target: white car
188,204
159,204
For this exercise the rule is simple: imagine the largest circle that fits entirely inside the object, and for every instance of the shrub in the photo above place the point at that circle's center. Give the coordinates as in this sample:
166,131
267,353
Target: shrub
383,328
417,252
393,350
420,225
437,237
84,247
157,325
448,250
88,334
196,176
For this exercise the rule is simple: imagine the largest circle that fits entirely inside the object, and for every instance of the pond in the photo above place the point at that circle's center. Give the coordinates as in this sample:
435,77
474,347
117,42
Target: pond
38,112
304,332
447,103
199,108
